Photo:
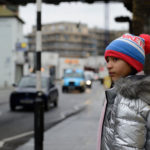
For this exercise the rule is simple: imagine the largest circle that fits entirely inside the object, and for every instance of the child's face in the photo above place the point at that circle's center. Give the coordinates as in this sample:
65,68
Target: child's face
117,68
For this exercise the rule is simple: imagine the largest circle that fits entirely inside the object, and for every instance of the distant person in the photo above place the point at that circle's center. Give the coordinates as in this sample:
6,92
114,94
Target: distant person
125,118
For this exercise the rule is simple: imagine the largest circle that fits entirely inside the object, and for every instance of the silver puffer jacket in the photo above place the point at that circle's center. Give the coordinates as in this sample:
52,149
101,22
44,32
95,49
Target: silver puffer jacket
126,124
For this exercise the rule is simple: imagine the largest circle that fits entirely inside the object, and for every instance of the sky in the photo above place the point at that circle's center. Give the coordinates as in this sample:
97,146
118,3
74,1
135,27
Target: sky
91,14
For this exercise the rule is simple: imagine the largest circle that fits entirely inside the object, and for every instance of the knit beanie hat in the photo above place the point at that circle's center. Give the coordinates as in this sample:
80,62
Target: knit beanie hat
131,49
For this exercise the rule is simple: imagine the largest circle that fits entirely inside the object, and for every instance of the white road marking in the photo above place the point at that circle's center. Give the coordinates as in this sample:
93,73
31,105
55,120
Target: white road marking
14,138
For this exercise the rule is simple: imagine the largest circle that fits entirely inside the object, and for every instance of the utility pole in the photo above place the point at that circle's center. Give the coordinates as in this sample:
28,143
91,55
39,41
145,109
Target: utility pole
39,104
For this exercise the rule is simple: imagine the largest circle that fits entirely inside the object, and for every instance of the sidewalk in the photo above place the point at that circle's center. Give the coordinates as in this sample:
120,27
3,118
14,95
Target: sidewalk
78,132
5,94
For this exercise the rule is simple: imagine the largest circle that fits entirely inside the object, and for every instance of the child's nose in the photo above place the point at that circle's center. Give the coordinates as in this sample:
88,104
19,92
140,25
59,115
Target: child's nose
109,65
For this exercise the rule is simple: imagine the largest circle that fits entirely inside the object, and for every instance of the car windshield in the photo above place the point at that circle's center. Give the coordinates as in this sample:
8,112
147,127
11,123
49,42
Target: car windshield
73,74
31,82
88,77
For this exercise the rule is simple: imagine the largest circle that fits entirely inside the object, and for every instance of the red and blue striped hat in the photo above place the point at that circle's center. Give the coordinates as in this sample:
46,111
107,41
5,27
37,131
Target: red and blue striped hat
131,49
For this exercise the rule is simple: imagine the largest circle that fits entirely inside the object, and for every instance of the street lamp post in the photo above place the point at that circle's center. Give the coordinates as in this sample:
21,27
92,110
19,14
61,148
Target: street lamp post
39,104
125,19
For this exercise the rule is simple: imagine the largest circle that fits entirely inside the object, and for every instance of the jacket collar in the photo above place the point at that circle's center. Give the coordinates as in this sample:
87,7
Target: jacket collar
110,95
134,87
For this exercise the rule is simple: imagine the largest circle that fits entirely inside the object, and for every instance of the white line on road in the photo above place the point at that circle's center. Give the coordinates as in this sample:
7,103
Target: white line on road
14,138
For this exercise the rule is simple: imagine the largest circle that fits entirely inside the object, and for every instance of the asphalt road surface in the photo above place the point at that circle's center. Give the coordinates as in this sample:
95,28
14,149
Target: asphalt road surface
17,127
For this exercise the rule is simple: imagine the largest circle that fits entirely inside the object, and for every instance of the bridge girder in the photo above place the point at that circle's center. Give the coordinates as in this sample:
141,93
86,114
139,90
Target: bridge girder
56,2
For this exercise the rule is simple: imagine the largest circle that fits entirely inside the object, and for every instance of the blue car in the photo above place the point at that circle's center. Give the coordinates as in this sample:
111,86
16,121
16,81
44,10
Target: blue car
73,80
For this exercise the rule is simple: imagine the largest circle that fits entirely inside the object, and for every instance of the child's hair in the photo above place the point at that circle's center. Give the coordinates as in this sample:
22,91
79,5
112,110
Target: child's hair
133,71
131,49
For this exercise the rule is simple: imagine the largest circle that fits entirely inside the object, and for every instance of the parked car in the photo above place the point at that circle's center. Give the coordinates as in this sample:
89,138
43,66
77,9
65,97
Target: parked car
73,80
25,92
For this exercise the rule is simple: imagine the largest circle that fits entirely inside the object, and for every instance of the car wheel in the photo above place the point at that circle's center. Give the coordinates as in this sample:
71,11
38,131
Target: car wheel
56,102
47,105
64,90
82,90
12,107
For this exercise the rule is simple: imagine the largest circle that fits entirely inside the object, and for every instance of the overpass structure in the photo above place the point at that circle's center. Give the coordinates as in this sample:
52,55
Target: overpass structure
129,4
135,6
56,2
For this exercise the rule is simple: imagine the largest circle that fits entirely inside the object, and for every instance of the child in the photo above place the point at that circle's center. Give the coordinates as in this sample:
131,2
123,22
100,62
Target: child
125,118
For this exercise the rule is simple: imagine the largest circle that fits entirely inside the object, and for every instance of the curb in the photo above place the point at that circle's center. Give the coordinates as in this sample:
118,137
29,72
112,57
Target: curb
76,110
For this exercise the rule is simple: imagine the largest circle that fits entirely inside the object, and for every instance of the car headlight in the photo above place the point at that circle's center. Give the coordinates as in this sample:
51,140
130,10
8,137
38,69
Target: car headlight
88,82
82,82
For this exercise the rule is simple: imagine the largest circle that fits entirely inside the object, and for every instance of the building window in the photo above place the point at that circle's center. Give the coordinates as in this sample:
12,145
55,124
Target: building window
66,37
53,28
57,36
61,27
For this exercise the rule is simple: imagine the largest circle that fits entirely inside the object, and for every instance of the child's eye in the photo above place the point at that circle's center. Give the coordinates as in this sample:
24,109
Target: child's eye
107,59
115,59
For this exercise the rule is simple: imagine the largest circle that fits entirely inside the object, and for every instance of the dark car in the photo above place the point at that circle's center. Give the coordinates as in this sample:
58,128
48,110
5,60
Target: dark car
25,92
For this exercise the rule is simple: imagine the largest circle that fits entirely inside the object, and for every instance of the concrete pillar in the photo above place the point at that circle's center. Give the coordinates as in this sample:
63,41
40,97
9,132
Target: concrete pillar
138,17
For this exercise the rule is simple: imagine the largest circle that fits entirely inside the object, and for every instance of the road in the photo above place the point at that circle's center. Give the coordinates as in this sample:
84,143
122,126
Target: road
20,123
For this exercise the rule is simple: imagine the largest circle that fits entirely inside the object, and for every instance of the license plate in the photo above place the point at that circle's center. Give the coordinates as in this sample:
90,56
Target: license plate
71,87
26,101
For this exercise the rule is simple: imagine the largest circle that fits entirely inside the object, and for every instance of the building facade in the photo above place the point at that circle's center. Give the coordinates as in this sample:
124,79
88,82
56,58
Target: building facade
102,36
67,39
11,61
75,45
72,39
